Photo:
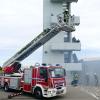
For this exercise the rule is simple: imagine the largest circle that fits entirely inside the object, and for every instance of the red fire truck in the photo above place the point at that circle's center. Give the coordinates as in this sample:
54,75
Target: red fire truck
43,81
46,81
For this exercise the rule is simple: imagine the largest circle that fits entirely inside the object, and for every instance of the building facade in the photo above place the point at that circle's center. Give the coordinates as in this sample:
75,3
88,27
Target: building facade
90,71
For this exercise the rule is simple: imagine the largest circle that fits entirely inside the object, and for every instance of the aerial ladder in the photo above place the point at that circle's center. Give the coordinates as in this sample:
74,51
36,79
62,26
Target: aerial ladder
41,39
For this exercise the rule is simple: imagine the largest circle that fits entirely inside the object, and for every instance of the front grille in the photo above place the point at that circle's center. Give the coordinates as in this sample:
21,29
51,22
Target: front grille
59,88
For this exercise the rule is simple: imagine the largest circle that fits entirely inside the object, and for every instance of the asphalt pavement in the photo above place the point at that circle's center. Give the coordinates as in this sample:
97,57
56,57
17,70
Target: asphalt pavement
74,93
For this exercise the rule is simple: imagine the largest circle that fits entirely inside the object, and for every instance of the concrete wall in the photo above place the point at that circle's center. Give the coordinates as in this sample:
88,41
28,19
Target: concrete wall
50,8
48,55
91,72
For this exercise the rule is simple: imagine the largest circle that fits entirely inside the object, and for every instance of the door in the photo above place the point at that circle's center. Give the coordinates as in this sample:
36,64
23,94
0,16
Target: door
43,76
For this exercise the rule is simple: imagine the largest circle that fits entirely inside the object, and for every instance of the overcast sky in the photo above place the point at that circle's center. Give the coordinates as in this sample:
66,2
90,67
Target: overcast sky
22,20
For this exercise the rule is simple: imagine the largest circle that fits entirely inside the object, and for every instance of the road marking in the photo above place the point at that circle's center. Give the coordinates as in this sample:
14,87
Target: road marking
90,93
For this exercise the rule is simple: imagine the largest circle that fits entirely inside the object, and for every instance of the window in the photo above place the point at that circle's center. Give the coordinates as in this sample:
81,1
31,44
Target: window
66,58
57,72
43,73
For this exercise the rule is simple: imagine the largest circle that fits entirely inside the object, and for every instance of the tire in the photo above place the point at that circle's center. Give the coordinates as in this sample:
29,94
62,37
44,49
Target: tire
38,93
6,87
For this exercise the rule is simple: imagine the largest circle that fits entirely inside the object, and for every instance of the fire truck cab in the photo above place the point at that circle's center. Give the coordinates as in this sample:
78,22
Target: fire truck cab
45,81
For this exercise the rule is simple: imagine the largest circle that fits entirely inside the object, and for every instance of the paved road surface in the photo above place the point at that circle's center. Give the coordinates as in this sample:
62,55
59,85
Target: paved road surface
95,90
74,93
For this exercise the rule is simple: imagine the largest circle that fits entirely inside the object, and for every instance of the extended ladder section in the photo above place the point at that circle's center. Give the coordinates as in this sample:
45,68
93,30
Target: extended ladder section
41,39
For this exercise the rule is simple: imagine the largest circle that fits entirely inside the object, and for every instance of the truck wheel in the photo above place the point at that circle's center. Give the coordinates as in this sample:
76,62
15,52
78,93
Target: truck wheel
38,93
6,87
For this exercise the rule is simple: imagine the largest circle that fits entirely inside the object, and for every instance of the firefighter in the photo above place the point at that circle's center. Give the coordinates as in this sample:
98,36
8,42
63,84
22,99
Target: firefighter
75,79
1,70
66,16
96,79
87,79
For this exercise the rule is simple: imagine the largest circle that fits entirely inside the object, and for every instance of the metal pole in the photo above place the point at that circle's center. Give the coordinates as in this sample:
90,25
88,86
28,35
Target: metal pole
69,33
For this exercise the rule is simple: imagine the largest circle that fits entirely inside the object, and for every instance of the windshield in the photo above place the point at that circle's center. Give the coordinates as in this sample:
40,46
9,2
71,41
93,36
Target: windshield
57,72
